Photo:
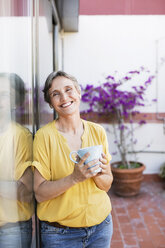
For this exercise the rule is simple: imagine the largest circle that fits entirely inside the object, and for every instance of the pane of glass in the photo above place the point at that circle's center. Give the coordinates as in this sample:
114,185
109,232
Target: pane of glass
45,58
16,195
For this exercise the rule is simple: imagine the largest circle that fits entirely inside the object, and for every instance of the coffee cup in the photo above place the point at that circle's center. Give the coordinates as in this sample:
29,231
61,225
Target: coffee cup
94,151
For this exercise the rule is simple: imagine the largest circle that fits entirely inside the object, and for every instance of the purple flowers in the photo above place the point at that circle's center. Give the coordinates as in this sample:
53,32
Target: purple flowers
141,122
112,97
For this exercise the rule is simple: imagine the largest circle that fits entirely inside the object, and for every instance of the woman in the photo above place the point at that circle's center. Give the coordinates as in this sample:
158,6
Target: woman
73,207
16,189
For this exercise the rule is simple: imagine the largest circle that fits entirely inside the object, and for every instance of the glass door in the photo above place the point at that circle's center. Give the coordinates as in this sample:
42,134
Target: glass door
16,124
27,57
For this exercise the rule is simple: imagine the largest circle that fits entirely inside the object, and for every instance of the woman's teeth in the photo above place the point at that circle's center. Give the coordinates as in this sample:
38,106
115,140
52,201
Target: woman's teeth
66,104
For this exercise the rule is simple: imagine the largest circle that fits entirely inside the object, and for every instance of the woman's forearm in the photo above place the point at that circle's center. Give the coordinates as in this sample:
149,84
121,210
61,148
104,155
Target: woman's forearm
15,190
48,190
103,182
104,179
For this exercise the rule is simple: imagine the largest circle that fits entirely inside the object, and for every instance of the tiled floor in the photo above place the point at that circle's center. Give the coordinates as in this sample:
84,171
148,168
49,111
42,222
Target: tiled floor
139,222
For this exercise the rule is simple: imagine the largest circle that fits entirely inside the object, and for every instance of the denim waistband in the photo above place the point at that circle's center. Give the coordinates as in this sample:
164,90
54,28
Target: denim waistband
56,224
13,224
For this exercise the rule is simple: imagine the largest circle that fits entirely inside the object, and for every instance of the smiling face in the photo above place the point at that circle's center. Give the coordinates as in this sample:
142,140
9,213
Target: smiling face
64,96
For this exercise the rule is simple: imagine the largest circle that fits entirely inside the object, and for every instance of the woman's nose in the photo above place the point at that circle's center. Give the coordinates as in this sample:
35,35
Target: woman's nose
63,96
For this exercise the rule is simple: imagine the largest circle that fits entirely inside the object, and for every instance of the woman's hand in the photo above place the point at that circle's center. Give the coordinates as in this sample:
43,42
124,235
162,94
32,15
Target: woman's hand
104,179
83,171
47,190
103,164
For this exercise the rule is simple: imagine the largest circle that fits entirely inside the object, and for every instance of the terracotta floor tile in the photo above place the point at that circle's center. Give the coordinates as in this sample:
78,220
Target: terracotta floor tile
116,235
126,228
142,234
123,219
117,201
158,240
157,214
132,206
147,244
134,214
130,239
154,229
117,244
143,209
161,223
139,222
148,218
120,211
115,222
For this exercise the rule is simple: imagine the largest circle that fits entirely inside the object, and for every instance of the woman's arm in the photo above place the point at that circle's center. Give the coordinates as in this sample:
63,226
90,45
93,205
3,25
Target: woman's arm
21,190
104,179
47,190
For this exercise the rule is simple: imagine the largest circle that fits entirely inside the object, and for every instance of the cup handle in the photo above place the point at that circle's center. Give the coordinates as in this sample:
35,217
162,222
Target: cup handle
70,155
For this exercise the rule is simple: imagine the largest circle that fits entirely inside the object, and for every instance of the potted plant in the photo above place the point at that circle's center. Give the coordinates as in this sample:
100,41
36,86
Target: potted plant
162,171
120,99
162,174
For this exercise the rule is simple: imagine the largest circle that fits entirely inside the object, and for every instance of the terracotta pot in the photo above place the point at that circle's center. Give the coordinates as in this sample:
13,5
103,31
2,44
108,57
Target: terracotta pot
127,182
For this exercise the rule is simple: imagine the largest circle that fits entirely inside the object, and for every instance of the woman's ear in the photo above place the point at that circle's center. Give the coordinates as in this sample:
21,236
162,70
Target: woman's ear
50,106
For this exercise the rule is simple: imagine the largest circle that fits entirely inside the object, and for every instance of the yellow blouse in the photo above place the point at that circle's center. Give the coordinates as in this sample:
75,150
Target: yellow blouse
15,158
84,204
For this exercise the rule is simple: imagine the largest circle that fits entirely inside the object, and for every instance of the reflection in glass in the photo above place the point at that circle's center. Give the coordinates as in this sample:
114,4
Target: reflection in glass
45,57
16,196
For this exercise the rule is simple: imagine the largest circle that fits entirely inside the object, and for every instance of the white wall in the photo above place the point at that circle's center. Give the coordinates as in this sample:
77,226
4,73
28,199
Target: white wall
15,46
105,44
149,134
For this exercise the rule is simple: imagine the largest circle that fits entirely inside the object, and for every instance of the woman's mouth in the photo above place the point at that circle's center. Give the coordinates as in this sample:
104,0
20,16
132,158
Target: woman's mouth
65,105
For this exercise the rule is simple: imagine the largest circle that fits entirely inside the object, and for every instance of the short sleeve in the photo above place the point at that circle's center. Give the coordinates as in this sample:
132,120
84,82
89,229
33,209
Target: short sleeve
23,153
41,158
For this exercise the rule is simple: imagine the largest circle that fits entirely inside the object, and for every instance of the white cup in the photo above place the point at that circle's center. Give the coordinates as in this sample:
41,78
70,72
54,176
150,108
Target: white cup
94,151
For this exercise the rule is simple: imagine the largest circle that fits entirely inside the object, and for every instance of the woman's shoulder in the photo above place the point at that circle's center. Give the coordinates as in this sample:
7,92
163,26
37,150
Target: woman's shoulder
46,129
93,125
19,130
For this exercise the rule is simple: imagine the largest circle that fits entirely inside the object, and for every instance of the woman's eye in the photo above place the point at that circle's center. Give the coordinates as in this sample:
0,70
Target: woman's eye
68,89
55,94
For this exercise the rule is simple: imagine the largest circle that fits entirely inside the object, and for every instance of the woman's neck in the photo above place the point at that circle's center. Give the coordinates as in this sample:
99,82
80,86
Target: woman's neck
69,125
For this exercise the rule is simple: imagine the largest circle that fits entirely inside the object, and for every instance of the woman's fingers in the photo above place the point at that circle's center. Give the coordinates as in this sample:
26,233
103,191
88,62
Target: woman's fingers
89,168
84,171
103,159
82,160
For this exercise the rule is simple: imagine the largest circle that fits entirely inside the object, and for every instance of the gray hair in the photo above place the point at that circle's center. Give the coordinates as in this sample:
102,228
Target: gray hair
51,77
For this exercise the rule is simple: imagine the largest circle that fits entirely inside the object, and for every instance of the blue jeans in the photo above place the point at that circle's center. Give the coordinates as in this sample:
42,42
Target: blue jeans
17,235
98,236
